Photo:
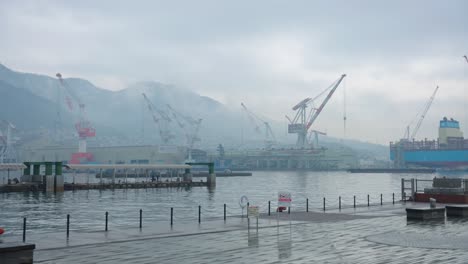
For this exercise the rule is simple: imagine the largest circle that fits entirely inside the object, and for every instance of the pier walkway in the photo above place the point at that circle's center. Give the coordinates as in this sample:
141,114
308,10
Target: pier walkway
379,234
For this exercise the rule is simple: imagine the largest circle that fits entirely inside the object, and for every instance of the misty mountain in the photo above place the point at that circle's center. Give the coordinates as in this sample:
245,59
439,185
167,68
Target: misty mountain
120,117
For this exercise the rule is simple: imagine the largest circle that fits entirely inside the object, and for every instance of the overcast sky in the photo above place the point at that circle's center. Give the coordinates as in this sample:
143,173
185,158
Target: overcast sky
267,54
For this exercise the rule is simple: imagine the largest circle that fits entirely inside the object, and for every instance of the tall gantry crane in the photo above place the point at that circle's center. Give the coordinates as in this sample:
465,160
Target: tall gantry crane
161,119
189,125
7,151
83,127
303,120
421,118
270,138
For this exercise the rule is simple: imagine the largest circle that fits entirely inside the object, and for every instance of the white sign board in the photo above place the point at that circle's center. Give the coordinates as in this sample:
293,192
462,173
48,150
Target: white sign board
253,212
284,199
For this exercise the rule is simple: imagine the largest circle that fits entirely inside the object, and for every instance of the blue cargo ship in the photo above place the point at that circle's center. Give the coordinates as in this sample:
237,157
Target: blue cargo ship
450,150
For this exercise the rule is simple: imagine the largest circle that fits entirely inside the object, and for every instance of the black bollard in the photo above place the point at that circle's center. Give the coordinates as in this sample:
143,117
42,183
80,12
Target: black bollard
323,203
381,199
224,212
199,214
172,215
393,198
339,202
289,209
269,207
368,204
24,229
107,218
68,225
307,205
354,201
141,218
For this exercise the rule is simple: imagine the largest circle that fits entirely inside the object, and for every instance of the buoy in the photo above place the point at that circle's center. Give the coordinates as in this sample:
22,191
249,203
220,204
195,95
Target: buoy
2,231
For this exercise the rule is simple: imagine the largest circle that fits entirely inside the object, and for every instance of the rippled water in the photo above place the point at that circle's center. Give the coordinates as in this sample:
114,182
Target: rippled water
46,212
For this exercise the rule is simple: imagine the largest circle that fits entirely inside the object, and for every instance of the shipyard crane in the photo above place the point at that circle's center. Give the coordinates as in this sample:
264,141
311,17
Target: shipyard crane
7,151
83,126
302,121
161,119
189,125
270,138
423,114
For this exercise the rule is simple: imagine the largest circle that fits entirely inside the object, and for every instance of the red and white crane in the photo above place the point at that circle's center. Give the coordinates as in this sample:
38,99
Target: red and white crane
302,121
83,126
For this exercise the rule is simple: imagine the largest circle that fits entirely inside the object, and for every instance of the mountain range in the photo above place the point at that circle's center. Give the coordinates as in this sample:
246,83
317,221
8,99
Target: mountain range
37,103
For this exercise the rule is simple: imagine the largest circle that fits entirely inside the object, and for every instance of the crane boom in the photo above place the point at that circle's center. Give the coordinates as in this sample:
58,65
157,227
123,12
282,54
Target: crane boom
319,110
426,109
161,121
270,138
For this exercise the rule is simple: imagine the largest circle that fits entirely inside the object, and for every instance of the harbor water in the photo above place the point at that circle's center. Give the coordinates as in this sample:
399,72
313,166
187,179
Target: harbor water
47,212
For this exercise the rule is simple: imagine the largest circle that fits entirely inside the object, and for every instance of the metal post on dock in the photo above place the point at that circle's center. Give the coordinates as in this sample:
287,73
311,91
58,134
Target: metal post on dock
393,198
107,218
113,178
354,201
381,199
323,203
289,209
307,205
68,225
248,204
126,176
24,229
199,214
368,200
100,176
339,202
224,212
172,216
141,218
269,210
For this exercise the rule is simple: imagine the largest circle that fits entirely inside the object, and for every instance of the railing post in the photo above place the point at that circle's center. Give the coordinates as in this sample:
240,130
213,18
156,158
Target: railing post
24,229
107,218
368,201
172,215
307,205
339,202
248,204
269,210
141,218
354,201
323,203
381,199
199,214
289,209
393,198
224,212
68,225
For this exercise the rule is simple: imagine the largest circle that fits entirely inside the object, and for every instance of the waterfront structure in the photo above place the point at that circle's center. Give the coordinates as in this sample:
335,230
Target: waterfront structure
450,150
146,154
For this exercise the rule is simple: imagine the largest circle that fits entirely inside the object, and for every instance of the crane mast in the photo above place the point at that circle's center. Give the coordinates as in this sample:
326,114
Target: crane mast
302,122
190,126
161,120
269,136
426,109
83,127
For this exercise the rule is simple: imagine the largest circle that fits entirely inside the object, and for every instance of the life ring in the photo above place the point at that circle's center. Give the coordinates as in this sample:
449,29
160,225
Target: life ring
243,201
2,231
